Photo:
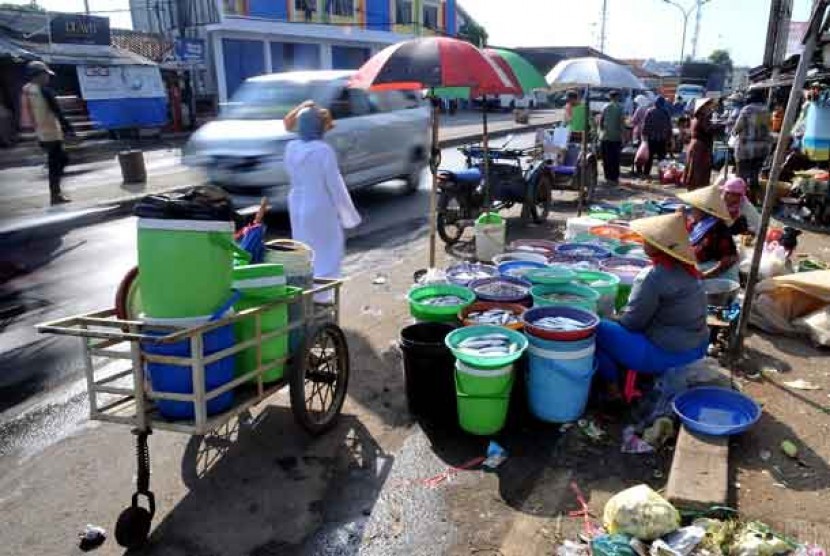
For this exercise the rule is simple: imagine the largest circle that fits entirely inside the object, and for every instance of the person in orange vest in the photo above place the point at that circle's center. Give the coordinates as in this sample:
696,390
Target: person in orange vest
49,123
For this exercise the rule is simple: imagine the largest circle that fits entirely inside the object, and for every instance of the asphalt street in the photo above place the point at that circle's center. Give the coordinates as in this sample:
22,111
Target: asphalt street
80,271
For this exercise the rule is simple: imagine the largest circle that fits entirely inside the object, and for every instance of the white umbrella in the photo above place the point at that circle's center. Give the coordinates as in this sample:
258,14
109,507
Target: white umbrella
593,72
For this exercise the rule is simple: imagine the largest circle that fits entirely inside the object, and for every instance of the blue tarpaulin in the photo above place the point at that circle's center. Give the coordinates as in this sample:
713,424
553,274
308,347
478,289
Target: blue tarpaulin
121,113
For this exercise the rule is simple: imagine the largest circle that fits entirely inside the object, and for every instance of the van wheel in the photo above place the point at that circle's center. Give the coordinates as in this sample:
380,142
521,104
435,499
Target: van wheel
413,181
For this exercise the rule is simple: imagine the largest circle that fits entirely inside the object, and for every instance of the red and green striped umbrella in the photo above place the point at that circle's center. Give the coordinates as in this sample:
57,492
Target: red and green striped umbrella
431,62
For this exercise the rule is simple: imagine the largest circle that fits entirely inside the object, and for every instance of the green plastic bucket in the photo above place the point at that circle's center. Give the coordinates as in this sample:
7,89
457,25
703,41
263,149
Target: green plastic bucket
490,236
483,397
588,298
258,285
420,310
605,284
623,293
184,266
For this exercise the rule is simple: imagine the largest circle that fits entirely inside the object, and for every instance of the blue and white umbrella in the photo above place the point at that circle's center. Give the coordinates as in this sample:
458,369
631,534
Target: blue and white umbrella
593,72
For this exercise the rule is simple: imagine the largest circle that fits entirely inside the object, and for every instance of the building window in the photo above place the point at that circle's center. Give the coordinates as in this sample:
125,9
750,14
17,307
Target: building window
403,12
431,17
343,8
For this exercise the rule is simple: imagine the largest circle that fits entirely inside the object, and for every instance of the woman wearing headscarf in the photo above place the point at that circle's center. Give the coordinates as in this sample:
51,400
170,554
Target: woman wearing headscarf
710,233
319,204
663,326
744,214
698,171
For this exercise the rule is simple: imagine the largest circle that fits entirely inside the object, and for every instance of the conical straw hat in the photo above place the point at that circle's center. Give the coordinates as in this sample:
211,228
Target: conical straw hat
668,234
708,199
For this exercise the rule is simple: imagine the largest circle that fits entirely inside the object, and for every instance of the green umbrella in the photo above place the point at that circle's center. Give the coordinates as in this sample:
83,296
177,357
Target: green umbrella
528,76
452,93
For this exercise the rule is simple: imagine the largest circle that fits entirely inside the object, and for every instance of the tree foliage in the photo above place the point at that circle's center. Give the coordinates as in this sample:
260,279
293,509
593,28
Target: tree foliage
474,33
721,57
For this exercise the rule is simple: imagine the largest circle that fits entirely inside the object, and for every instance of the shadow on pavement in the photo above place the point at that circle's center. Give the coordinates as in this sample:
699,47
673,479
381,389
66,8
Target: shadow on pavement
262,486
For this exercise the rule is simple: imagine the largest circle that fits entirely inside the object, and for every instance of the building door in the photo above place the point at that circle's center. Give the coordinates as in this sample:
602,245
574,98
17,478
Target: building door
243,59
348,57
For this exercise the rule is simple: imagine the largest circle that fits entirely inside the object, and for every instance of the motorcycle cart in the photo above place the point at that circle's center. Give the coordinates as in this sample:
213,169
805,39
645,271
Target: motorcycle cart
117,358
516,176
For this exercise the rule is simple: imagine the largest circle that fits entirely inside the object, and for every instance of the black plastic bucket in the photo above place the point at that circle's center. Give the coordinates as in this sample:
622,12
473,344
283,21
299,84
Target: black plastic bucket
429,368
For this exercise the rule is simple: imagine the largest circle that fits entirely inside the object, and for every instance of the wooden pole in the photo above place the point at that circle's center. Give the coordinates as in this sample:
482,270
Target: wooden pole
485,141
816,20
434,161
583,154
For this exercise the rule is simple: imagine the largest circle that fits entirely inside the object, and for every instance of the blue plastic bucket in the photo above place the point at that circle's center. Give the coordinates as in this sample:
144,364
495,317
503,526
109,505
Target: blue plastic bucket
559,378
178,379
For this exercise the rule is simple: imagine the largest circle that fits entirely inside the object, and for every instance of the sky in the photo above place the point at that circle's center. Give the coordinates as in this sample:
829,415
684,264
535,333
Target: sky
635,28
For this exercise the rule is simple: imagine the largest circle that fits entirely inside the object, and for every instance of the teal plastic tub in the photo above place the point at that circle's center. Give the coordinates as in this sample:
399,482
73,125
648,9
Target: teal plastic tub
554,274
457,336
432,313
584,297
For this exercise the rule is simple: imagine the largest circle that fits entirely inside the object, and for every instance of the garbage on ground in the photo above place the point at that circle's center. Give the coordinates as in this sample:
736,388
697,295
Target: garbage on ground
641,513
612,545
809,550
379,280
591,429
571,548
91,537
790,449
757,539
679,543
801,384
633,444
496,455
660,432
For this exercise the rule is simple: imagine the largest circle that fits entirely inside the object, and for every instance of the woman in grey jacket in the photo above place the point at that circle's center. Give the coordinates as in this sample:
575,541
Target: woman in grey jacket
664,324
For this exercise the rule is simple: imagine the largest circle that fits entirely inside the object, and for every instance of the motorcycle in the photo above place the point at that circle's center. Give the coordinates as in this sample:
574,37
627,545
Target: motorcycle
516,176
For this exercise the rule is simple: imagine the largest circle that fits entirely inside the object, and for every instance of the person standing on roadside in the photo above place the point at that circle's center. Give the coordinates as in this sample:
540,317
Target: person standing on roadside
611,131
657,132
698,170
50,124
753,141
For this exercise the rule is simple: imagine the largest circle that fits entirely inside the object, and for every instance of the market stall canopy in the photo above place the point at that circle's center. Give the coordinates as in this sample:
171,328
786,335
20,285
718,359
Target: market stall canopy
80,54
526,74
432,62
593,72
10,50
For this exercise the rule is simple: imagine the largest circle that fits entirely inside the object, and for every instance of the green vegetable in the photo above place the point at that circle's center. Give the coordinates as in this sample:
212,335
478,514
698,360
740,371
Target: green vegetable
789,448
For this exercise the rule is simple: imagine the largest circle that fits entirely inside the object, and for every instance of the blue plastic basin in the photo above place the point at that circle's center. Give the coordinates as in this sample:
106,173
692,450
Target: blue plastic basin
716,411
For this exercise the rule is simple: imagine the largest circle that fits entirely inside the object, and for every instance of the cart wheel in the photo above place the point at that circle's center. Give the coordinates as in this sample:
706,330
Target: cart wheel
319,379
538,207
133,525
449,221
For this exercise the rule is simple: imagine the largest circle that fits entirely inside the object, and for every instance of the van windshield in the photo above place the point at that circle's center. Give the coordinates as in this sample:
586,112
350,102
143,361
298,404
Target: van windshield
272,100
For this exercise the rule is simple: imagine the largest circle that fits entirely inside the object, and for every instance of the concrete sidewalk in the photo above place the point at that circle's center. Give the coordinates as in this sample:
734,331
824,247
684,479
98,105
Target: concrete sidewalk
95,186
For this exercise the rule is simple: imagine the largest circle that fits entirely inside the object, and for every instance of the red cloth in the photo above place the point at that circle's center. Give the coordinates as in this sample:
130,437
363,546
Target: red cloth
666,260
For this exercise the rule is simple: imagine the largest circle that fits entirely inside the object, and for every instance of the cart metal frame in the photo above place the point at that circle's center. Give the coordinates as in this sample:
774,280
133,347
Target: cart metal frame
124,396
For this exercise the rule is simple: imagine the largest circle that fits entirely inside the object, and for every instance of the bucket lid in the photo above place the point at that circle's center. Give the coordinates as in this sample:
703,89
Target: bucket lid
184,225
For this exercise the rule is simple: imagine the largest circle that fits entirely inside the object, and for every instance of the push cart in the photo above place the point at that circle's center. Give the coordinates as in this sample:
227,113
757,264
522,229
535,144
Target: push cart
116,353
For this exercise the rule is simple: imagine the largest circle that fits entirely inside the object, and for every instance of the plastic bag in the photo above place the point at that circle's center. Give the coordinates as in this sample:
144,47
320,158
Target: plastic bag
641,513
612,545
756,539
642,153
773,261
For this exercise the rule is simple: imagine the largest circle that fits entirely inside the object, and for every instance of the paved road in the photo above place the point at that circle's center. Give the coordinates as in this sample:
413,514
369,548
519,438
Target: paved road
80,271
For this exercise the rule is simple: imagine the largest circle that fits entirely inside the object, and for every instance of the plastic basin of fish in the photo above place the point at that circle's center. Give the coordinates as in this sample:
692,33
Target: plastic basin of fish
716,411
583,251
630,250
519,290
482,306
604,283
585,297
554,274
539,246
613,231
520,256
460,274
432,313
457,336
519,269
588,320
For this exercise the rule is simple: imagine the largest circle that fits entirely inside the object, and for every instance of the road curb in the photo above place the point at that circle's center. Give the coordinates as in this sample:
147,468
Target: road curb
46,226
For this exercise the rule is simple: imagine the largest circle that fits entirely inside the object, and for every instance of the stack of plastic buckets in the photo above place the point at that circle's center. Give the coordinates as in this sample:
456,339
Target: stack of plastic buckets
297,260
185,278
483,383
561,364
626,269
258,285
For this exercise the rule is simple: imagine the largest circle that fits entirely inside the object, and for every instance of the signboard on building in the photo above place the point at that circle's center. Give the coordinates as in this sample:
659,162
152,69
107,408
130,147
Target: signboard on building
79,29
119,82
190,50
797,31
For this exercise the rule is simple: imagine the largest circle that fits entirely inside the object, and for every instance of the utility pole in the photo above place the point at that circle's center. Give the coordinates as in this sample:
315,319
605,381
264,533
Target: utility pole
696,35
86,7
602,32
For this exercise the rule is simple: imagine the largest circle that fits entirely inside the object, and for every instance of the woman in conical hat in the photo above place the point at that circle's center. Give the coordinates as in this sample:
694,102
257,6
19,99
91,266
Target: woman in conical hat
709,231
664,324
